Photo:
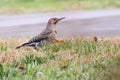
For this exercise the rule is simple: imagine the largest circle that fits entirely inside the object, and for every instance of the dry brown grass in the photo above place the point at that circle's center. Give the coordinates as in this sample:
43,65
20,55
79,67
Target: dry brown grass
83,57
12,55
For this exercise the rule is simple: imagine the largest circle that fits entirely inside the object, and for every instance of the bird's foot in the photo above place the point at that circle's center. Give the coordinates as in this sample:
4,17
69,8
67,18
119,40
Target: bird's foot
62,41
58,41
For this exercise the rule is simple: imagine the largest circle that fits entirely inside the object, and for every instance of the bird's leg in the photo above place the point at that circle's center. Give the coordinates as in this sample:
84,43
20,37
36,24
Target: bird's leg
58,41
36,46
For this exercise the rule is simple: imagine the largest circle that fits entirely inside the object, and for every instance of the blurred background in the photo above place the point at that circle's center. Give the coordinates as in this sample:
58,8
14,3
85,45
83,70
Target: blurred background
83,17
33,6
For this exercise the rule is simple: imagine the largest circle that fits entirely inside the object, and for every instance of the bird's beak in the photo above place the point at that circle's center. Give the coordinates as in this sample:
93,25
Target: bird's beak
61,18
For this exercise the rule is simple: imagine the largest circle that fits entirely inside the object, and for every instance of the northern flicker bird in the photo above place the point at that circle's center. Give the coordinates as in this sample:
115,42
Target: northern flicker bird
48,35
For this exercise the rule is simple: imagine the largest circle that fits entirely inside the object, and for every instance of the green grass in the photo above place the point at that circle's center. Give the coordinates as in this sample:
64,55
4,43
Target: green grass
32,6
77,59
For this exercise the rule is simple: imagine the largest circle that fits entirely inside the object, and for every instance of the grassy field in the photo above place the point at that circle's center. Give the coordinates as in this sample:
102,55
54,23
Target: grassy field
77,59
32,6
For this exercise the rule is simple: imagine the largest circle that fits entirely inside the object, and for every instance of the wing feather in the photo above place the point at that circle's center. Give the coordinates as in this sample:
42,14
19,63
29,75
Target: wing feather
44,35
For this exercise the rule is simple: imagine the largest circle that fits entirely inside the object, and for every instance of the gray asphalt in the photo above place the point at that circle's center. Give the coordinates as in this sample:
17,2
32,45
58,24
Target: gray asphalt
104,23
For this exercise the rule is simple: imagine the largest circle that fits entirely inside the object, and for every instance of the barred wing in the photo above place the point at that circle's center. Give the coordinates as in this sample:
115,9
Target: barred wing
43,36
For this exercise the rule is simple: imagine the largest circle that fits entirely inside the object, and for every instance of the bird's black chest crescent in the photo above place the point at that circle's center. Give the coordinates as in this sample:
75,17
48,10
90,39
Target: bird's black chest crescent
55,32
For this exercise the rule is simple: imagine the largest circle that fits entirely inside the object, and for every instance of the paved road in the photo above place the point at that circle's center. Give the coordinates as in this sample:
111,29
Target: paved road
77,23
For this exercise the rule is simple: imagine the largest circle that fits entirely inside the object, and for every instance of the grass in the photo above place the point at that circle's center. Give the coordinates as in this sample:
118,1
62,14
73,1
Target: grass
77,59
32,6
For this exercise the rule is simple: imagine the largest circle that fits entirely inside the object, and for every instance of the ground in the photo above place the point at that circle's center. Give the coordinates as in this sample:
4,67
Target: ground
84,58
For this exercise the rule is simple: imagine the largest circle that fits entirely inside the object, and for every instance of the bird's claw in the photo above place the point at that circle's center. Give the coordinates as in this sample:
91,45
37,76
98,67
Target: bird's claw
58,41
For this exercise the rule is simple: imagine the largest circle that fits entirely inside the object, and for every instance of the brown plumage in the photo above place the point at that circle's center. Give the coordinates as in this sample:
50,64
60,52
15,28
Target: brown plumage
48,35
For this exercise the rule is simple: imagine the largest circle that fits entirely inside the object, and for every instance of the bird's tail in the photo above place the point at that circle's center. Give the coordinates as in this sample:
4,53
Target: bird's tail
25,44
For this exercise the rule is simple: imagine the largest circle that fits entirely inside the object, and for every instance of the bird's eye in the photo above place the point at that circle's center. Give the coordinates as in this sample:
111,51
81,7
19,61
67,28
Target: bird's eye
54,19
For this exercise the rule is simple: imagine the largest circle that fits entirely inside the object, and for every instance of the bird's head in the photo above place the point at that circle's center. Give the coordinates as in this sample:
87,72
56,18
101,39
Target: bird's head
54,20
